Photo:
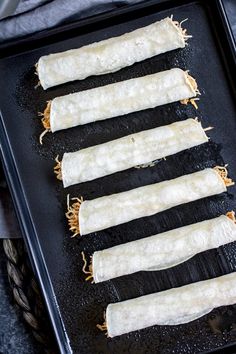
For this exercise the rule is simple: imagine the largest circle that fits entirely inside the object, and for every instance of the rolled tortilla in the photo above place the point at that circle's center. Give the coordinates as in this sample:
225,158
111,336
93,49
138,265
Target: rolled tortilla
129,151
164,250
111,54
102,213
118,99
170,307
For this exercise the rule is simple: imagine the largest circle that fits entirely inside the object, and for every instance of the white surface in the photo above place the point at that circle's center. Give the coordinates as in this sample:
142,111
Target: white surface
171,307
163,250
112,210
129,151
110,55
119,98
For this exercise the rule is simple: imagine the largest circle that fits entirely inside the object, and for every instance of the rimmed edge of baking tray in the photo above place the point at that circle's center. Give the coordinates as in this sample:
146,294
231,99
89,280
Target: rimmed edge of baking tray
22,212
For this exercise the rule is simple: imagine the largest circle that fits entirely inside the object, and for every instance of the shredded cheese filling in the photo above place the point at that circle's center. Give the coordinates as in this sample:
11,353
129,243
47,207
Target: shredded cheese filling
88,272
36,69
190,100
57,169
72,215
45,121
183,31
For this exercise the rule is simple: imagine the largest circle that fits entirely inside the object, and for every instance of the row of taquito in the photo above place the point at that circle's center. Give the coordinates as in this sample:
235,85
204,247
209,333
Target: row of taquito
109,56
173,306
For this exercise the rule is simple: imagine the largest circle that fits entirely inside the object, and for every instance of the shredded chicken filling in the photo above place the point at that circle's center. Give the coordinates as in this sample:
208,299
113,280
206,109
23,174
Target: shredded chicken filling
193,84
231,215
222,171
103,327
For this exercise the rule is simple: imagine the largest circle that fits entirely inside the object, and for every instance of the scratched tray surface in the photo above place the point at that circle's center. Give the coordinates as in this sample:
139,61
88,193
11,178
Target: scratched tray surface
81,304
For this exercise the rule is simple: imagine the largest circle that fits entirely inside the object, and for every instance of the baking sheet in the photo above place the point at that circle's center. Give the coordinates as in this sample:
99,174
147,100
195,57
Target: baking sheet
74,305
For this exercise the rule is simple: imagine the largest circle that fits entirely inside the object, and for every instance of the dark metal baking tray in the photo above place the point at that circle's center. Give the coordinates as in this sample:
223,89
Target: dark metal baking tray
75,307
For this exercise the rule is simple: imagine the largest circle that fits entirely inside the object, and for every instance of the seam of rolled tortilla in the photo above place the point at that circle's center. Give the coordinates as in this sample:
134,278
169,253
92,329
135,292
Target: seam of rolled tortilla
157,252
45,61
73,212
134,150
52,106
173,306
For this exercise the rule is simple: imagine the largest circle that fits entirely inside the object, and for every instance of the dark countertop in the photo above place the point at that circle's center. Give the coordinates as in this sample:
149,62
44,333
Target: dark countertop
15,337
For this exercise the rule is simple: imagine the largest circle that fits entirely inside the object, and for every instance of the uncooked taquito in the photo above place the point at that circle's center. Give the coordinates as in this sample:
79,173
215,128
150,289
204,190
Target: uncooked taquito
129,151
170,307
164,250
112,54
118,99
98,214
